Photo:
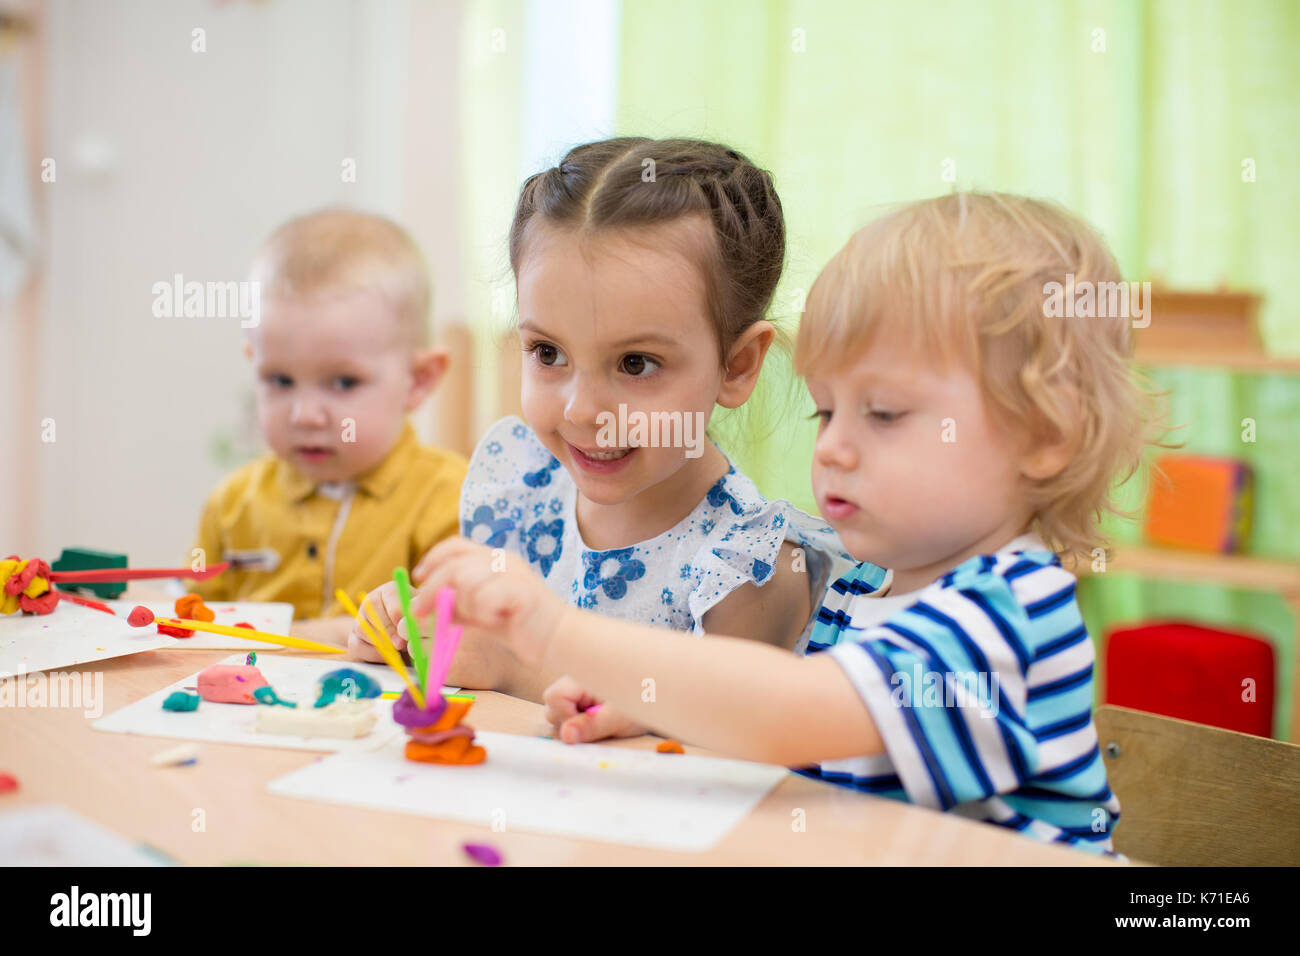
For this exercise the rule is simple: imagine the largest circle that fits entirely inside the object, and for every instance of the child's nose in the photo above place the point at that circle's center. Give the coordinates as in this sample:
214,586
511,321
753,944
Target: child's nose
309,412
835,449
583,402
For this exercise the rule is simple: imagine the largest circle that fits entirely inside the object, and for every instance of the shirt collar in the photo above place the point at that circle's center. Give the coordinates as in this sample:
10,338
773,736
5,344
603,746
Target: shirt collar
379,482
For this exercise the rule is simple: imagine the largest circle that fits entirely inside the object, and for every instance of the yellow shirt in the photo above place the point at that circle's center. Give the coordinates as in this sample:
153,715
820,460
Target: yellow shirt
291,540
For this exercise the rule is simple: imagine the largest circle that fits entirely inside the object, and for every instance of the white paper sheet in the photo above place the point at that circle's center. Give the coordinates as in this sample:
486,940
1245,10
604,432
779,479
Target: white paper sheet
73,634
292,678
70,635
52,835
666,801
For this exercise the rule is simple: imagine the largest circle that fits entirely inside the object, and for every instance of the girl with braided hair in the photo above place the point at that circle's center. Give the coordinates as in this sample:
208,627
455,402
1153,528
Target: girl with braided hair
644,269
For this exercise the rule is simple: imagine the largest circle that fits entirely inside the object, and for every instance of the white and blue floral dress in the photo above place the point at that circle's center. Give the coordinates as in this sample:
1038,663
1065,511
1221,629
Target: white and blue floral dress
518,497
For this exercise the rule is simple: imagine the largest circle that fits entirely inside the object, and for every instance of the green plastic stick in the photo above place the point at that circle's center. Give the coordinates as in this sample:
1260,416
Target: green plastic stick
403,582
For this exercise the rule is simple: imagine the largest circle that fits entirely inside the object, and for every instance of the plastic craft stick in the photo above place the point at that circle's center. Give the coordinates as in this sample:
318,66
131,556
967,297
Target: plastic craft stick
249,634
114,575
381,643
84,602
418,659
449,640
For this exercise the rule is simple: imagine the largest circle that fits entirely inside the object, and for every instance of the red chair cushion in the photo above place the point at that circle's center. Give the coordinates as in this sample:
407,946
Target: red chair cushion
1193,673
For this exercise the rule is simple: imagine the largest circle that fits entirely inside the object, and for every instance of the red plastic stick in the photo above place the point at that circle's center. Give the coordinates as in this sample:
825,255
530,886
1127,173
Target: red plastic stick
136,574
65,596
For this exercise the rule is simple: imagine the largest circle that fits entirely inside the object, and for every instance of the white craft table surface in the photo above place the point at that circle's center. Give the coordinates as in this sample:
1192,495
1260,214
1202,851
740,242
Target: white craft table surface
58,758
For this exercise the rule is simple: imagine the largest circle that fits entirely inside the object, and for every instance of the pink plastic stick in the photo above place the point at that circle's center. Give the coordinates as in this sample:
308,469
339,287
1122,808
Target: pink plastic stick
451,640
443,646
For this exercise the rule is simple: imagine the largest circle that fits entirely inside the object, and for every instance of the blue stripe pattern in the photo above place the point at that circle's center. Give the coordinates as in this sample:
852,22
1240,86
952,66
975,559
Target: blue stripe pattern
1022,750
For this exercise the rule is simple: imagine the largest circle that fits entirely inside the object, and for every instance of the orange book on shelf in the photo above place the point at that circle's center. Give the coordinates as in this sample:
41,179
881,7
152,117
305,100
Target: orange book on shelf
1200,503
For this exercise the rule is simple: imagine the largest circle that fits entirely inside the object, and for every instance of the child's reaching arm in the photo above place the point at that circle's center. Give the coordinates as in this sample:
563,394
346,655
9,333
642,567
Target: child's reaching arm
738,696
481,663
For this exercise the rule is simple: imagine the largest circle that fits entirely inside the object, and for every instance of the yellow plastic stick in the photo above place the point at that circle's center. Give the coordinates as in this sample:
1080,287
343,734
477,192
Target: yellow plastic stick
382,644
249,634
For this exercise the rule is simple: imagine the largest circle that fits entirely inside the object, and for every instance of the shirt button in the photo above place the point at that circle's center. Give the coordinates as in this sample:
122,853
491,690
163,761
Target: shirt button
311,549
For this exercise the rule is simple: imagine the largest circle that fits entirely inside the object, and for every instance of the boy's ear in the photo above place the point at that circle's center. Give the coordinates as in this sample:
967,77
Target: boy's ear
428,366
744,362
1050,449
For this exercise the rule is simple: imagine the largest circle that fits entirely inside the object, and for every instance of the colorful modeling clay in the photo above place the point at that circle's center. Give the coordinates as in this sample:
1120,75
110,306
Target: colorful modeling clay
8,783
670,747
140,616
343,718
192,608
482,853
265,695
456,748
346,682
406,713
179,700
230,683
26,586
181,756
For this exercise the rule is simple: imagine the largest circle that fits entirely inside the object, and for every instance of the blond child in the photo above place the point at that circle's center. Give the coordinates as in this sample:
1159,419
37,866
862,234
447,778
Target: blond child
965,441
342,356
644,271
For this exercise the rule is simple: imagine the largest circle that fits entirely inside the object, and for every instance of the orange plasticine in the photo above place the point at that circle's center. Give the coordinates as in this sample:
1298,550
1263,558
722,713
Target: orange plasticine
456,750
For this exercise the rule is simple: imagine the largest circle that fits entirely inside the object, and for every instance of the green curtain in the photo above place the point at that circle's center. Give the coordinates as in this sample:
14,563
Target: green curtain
1140,116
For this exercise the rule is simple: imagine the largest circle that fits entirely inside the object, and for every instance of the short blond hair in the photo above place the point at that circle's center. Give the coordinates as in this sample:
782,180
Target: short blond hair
341,250
964,277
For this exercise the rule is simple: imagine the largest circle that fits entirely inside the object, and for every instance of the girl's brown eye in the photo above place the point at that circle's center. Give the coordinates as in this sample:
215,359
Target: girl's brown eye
546,354
637,364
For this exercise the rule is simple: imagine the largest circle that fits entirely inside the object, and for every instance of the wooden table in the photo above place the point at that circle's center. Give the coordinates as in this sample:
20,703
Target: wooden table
58,758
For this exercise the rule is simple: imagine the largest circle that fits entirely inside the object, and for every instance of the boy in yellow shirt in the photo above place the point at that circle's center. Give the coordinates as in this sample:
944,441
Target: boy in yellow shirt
342,355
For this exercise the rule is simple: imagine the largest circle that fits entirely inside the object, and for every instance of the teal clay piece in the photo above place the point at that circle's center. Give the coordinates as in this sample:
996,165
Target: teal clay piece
179,700
346,682
265,695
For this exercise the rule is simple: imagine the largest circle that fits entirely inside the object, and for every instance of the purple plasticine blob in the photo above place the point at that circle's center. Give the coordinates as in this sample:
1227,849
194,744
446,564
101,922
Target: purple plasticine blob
408,715
482,853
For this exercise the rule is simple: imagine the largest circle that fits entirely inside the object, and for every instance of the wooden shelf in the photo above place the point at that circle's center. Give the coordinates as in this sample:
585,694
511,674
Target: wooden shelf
1222,570
1227,362
1225,570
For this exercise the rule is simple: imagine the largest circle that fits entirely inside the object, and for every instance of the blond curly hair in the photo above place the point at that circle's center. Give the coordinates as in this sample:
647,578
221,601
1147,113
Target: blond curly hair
965,277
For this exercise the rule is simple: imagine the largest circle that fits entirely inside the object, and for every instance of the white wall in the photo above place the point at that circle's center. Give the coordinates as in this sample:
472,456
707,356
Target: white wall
175,161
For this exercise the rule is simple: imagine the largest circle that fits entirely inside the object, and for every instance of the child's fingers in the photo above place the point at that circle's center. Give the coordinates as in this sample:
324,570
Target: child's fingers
447,565
483,595
435,555
565,699
360,648
386,610
597,723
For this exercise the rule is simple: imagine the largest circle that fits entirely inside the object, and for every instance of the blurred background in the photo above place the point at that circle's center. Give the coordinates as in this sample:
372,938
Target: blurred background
140,139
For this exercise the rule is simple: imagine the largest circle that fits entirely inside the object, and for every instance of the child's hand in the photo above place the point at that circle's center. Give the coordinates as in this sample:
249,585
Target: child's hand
579,718
384,608
495,591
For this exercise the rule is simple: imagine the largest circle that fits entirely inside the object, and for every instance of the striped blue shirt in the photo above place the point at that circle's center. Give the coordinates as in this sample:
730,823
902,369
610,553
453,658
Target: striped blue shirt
981,688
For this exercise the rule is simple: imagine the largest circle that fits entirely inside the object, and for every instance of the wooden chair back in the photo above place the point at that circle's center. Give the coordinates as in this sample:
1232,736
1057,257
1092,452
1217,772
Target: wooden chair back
1195,795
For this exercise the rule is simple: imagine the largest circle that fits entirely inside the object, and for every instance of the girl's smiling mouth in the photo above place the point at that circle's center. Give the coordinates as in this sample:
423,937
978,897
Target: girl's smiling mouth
601,461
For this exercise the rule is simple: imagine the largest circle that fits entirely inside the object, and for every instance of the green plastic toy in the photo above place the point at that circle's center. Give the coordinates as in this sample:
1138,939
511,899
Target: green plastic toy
87,559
